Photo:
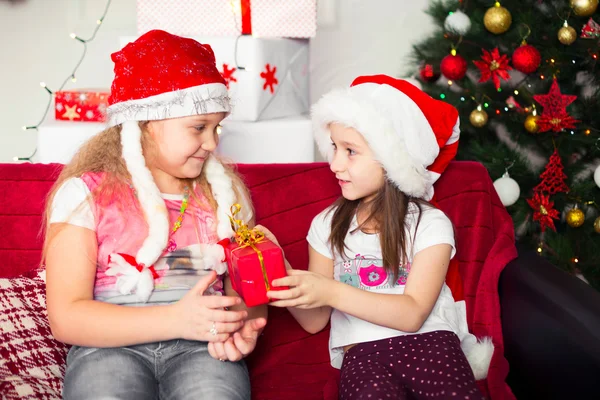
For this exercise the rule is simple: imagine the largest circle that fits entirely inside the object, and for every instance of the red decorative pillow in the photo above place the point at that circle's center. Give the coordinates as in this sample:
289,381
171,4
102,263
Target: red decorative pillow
32,362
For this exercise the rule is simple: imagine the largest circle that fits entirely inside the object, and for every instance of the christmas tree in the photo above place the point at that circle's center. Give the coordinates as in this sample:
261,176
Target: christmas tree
525,78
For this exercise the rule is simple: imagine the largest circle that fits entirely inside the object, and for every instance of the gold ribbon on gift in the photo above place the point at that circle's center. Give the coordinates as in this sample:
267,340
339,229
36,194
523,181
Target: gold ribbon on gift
246,237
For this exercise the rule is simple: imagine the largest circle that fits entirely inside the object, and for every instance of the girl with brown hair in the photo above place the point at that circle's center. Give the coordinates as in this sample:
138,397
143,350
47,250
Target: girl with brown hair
379,255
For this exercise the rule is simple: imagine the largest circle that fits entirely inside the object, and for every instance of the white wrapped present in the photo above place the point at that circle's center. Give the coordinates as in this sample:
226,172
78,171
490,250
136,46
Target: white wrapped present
58,141
261,18
277,141
267,78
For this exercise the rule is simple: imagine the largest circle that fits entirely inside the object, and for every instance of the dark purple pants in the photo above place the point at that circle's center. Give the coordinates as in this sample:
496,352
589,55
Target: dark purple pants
422,366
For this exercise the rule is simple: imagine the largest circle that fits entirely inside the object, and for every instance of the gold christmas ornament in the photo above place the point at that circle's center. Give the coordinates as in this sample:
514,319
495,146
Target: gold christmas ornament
575,218
478,117
531,123
597,225
584,8
497,19
566,34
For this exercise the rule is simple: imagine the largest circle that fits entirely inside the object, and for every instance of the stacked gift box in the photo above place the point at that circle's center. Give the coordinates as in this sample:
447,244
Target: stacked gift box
261,49
79,114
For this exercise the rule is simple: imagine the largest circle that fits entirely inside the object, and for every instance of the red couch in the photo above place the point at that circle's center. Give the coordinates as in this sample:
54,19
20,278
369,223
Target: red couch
288,363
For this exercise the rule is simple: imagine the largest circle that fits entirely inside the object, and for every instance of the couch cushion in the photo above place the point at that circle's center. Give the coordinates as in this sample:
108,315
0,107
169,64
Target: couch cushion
32,361
23,190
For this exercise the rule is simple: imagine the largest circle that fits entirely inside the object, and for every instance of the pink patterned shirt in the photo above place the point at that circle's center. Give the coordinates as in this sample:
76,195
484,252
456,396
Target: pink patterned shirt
123,231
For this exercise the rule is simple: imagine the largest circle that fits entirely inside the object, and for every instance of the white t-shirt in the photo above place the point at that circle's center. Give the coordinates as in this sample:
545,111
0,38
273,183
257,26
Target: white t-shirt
72,205
362,267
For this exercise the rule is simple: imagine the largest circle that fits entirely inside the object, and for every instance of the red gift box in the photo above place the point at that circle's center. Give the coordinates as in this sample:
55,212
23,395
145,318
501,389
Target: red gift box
81,105
252,269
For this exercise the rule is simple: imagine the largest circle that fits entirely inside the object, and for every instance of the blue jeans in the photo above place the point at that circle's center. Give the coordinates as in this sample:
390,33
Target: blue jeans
176,369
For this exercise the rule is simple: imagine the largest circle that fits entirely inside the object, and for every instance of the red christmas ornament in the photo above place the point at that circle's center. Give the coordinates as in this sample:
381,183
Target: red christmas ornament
553,177
453,67
555,116
269,76
429,73
494,66
228,74
526,59
543,212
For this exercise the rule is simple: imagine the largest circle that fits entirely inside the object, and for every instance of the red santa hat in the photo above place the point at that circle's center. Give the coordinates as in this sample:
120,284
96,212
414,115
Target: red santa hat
161,76
413,136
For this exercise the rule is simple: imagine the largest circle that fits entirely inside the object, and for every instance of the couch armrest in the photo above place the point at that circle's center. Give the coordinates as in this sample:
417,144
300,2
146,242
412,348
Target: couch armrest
551,328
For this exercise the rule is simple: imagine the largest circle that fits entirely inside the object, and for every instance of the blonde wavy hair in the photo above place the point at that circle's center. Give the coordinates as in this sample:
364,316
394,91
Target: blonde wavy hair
102,154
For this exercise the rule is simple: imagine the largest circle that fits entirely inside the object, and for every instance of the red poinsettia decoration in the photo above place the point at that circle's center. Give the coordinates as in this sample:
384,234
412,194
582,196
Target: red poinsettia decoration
493,66
555,116
543,212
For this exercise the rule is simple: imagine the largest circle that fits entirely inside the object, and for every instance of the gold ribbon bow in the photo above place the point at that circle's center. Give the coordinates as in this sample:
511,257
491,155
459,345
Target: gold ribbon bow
246,237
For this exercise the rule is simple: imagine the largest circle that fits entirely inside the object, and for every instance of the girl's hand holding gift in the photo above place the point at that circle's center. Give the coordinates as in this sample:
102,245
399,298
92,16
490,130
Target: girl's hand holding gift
307,290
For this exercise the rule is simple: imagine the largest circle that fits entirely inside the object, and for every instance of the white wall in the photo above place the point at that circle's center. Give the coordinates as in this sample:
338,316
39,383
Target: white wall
367,37
355,37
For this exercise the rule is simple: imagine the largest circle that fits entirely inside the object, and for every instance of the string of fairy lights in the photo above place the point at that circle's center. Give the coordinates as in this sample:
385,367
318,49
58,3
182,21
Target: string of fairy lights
499,21
72,77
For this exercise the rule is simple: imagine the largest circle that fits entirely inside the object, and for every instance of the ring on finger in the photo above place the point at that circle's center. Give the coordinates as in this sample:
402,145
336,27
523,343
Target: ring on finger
213,329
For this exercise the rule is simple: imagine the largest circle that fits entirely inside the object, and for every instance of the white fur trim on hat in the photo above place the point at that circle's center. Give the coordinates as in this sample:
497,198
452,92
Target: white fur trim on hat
455,133
479,352
153,205
202,99
434,175
129,279
393,126
480,357
222,190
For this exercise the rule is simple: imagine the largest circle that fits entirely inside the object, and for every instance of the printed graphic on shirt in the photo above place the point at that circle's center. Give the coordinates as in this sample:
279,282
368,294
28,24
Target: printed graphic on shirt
191,254
181,269
366,272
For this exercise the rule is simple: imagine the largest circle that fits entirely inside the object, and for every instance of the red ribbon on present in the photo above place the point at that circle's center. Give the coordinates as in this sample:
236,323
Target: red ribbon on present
244,237
132,261
246,17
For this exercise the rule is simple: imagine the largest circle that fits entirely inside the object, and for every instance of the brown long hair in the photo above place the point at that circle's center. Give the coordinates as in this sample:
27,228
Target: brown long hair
386,214
102,153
